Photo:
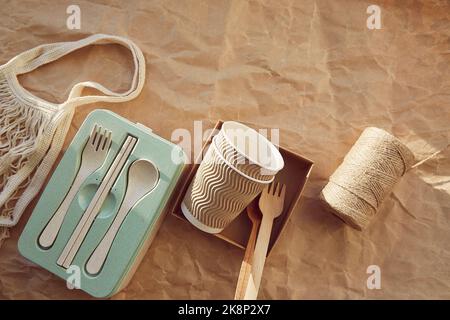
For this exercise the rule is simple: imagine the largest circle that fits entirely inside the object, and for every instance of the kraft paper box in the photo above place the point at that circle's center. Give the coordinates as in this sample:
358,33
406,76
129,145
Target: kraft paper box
294,175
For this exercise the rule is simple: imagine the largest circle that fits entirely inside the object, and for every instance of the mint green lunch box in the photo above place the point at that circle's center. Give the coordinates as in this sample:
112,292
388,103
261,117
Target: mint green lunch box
139,226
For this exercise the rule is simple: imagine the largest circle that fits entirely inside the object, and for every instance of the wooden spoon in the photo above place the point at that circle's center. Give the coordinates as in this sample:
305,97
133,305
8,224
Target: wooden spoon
244,274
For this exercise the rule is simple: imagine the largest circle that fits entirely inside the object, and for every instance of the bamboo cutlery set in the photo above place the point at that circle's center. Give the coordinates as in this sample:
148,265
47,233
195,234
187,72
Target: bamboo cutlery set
92,158
103,204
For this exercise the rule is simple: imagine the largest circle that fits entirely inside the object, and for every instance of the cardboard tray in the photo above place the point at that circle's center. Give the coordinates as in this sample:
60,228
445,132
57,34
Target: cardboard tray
294,175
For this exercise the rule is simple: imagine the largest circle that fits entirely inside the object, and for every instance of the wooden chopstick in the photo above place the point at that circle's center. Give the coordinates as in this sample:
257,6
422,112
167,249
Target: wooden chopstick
75,241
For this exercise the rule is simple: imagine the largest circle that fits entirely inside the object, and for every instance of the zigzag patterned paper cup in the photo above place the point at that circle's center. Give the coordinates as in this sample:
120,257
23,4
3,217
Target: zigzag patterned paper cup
219,192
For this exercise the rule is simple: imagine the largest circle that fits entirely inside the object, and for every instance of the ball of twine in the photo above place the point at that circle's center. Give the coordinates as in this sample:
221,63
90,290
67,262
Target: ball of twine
366,176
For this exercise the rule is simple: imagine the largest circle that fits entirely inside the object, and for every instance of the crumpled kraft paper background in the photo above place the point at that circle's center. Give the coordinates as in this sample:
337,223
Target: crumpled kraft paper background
311,68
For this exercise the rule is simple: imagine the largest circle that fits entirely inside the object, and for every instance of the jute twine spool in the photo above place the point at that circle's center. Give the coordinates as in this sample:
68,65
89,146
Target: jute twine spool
367,175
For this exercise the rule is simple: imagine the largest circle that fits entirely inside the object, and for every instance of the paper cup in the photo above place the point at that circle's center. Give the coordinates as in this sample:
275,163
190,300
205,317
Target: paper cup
227,180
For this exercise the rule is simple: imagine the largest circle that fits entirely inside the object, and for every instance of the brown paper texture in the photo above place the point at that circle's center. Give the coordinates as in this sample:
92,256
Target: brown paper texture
311,68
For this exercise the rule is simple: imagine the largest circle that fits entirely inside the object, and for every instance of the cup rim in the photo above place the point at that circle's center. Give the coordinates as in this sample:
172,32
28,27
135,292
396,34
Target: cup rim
275,153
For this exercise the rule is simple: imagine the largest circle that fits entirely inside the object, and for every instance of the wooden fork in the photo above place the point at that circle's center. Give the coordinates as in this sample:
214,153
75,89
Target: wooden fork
271,204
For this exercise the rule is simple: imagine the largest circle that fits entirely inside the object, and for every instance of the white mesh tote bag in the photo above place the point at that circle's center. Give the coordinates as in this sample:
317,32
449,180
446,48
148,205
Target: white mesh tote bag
32,130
